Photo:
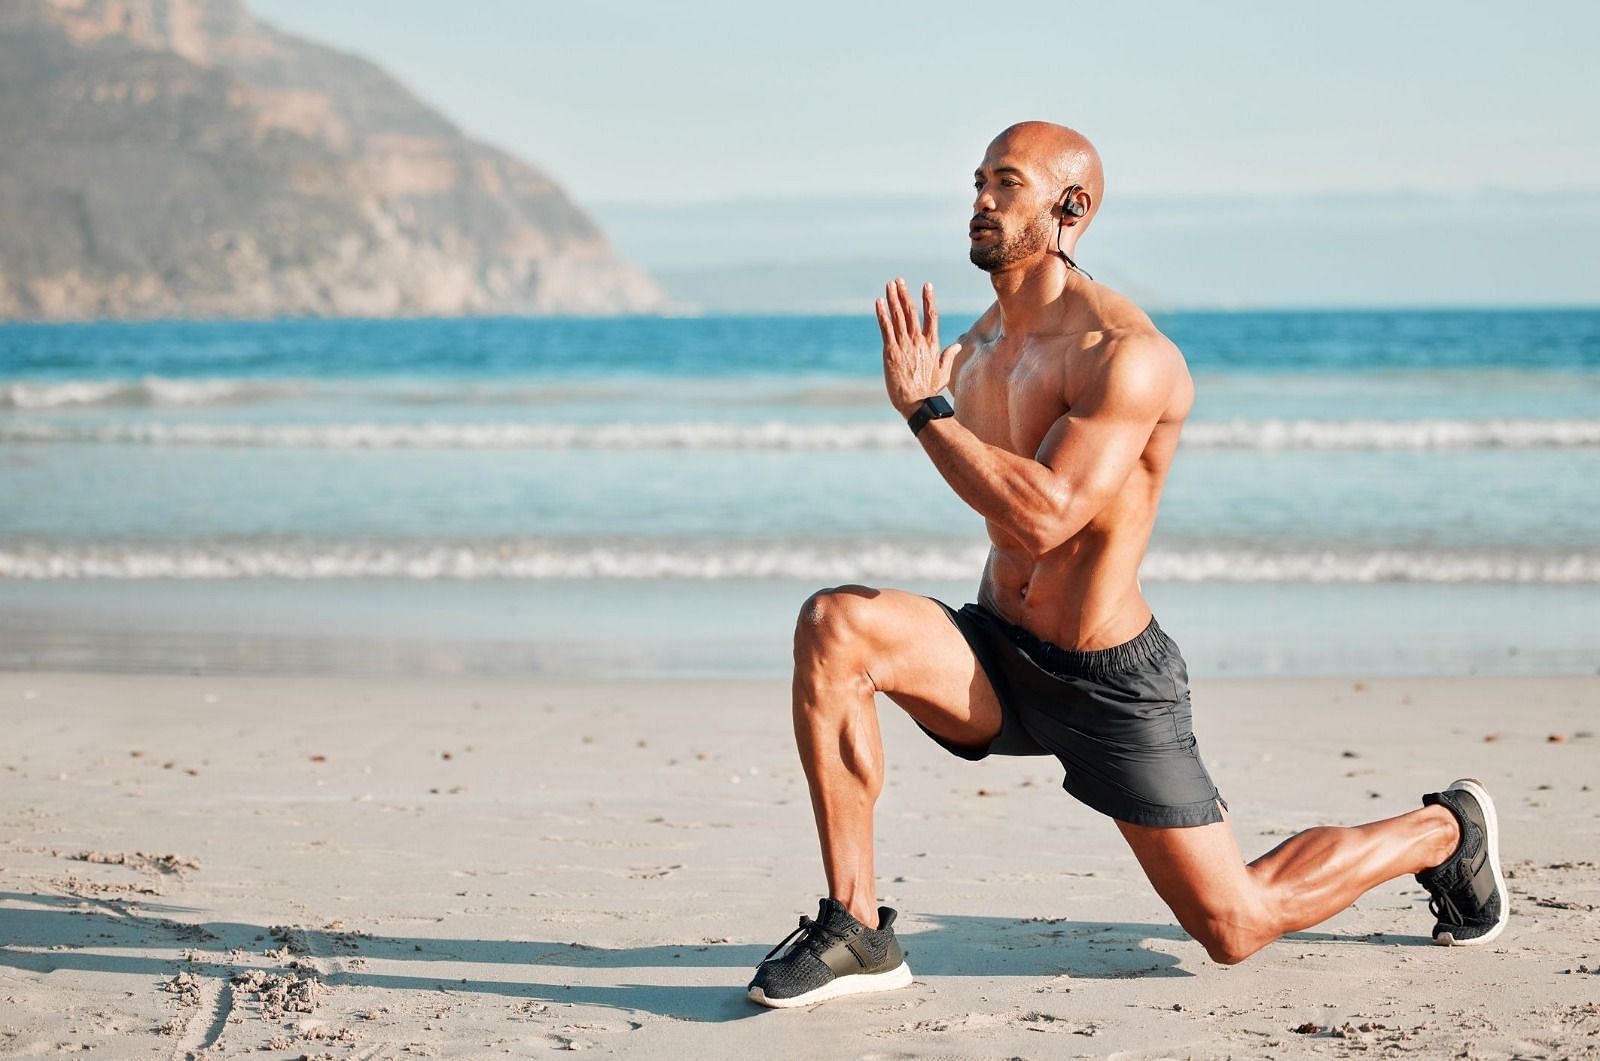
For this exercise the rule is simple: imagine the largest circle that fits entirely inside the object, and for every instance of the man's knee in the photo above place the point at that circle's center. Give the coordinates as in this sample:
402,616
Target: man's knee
1229,937
832,615
1229,946
833,641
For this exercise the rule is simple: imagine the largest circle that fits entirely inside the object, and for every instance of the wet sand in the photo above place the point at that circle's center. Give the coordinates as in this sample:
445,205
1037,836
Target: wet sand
376,867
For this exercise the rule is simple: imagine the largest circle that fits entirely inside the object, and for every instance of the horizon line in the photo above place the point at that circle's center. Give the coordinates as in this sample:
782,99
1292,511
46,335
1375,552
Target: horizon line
690,313
1454,194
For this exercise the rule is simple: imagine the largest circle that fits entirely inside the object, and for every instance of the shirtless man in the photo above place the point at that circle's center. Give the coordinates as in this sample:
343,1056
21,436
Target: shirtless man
1067,408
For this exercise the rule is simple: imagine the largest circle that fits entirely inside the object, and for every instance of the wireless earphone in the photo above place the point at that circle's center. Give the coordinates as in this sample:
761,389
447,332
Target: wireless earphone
1072,206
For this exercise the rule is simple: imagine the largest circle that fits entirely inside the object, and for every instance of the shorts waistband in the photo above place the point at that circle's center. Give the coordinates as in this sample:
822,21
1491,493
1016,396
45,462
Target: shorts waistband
1149,645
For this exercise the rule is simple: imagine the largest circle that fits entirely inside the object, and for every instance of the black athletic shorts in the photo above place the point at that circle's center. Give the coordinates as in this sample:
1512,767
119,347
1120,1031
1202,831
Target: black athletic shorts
1118,719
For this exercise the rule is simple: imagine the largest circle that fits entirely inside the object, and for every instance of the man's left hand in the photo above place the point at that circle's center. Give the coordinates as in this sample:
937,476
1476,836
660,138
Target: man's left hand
914,368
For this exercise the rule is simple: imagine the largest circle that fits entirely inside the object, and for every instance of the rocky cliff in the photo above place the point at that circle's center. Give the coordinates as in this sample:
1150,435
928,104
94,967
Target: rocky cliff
179,158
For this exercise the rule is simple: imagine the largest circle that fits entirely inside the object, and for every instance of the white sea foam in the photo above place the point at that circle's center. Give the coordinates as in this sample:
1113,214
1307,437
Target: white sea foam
504,435
52,395
152,390
166,390
1393,434
710,561
782,435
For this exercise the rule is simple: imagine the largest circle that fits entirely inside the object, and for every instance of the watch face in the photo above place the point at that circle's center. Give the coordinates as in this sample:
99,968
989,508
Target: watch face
934,408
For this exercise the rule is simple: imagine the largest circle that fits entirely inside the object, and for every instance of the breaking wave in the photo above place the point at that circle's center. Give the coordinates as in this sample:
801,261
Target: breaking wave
782,435
711,561
506,435
150,391
1394,435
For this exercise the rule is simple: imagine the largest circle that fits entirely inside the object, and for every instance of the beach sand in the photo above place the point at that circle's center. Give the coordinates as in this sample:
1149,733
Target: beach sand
375,867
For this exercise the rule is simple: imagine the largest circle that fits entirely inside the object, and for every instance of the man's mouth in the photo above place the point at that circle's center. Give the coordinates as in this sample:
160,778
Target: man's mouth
979,226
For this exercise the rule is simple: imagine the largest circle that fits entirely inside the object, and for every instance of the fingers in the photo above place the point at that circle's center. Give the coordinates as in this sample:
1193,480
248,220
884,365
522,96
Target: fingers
897,314
897,317
907,310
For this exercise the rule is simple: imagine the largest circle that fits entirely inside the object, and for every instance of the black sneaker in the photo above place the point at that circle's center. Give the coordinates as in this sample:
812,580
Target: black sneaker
830,956
1469,892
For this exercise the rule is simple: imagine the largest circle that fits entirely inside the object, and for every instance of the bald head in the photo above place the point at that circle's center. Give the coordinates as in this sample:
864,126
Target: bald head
1064,155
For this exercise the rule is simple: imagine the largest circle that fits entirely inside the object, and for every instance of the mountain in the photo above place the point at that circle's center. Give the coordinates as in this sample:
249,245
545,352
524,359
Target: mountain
163,158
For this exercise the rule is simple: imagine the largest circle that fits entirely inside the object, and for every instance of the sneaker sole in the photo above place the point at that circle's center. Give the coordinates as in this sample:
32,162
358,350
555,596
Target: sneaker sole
838,987
1491,827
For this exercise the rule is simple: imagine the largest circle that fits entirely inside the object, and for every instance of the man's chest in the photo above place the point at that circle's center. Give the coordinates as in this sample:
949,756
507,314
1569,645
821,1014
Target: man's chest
1011,399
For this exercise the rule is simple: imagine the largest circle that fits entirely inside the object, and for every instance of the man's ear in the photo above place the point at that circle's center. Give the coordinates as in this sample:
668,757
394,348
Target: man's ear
1074,205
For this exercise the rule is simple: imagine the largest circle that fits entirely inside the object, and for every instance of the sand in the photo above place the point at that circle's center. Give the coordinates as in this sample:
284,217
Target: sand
362,867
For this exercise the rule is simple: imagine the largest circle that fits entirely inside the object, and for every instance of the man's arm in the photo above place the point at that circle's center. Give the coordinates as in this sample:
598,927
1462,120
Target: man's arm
1083,459
1081,464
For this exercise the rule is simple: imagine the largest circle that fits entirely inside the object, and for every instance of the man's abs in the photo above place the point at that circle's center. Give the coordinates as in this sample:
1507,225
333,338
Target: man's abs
1083,595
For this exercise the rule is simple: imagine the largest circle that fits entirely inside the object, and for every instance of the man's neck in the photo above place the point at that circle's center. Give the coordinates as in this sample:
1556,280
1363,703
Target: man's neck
1030,294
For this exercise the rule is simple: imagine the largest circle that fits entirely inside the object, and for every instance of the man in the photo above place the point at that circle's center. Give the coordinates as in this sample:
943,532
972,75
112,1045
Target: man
1068,405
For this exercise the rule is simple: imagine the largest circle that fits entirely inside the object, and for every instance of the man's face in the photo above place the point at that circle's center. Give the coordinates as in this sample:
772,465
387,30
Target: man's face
1011,211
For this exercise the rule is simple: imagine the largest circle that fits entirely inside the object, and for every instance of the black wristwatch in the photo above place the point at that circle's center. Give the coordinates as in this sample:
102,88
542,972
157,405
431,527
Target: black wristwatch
934,408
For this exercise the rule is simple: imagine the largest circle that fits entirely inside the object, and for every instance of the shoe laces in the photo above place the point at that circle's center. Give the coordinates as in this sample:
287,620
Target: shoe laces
810,934
1444,908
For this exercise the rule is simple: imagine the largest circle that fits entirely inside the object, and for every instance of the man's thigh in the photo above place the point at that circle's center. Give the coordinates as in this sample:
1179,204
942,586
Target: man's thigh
915,655
1197,871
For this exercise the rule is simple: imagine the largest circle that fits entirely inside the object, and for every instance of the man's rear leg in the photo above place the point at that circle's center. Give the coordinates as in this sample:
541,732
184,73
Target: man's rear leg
1234,909
851,643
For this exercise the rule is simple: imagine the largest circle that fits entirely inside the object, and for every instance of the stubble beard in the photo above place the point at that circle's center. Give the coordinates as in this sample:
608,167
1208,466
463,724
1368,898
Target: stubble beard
1010,249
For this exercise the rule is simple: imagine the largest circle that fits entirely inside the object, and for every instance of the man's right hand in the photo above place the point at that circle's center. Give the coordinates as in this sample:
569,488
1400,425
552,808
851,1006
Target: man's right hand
914,367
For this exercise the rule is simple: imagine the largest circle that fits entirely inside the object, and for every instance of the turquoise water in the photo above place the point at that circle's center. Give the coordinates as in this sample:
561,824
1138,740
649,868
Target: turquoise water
691,462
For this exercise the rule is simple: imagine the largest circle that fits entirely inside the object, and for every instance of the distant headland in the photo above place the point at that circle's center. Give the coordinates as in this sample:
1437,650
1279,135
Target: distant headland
179,158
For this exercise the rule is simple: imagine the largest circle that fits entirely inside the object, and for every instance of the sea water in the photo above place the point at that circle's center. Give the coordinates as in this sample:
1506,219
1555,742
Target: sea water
1356,492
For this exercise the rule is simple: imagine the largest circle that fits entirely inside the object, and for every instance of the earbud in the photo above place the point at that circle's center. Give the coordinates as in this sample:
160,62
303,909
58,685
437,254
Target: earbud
1070,207
1073,208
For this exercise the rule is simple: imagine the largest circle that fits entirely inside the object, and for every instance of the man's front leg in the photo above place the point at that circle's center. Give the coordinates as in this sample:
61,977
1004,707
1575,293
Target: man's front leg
841,750
850,644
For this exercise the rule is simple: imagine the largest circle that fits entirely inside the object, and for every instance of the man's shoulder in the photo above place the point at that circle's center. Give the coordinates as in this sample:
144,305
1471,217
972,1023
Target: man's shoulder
1120,331
1120,317
1137,344
1129,359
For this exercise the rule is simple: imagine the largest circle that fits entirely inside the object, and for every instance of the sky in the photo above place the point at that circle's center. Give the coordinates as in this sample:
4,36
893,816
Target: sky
646,103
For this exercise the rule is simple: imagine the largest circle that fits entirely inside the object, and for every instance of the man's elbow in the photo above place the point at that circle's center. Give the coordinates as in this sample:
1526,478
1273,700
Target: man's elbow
1037,539
1047,527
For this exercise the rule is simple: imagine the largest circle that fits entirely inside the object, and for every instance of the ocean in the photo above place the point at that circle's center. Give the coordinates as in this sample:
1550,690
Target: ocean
1356,492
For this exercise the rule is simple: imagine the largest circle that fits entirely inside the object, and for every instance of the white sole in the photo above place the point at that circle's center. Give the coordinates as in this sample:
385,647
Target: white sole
1491,828
839,986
